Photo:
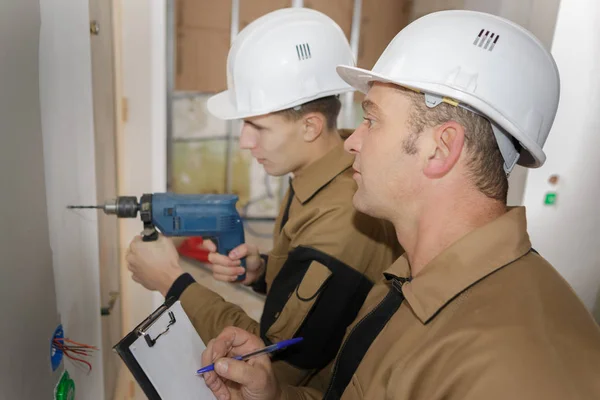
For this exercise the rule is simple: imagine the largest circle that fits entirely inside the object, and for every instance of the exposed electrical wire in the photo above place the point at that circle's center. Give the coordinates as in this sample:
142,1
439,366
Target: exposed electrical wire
70,348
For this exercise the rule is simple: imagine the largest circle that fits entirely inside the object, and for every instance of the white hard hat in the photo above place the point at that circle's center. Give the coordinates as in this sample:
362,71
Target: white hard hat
481,62
283,59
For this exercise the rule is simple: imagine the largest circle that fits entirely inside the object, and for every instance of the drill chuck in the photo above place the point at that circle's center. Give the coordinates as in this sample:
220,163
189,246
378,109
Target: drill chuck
122,207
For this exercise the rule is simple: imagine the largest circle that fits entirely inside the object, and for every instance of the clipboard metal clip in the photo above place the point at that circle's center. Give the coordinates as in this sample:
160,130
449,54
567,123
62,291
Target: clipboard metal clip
151,342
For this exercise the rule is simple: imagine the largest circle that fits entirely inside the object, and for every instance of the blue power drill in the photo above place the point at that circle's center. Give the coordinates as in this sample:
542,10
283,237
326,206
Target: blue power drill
206,215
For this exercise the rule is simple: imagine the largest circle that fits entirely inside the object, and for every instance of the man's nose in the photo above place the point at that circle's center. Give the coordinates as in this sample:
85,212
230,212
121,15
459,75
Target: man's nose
354,142
248,138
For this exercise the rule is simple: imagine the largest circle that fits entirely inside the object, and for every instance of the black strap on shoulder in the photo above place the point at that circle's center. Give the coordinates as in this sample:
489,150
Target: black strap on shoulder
325,325
364,333
286,212
362,336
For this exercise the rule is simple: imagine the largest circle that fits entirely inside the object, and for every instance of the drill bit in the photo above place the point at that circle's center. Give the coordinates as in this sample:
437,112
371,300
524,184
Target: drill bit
122,207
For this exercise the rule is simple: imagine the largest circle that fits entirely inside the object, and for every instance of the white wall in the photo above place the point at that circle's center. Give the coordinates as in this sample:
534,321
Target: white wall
27,299
538,16
568,234
142,142
67,126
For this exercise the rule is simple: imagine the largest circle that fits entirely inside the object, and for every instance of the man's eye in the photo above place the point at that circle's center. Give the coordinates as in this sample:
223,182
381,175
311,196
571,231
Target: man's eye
368,121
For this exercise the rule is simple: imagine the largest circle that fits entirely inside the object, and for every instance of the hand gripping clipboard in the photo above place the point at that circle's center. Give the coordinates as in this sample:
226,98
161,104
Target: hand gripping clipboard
163,353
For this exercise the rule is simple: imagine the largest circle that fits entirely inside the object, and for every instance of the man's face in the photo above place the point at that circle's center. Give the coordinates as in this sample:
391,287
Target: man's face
388,162
275,142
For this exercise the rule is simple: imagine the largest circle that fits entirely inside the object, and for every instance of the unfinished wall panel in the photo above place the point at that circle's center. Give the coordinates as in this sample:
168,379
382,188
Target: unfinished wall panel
251,10
379,25
424,7
339,10
201,60
203,14
203,36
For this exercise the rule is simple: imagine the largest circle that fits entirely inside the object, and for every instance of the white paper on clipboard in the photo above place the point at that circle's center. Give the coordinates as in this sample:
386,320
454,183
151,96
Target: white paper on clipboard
175,357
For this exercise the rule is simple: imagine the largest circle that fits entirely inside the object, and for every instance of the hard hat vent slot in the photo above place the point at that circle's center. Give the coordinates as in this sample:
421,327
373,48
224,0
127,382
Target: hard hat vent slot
303,51
486,40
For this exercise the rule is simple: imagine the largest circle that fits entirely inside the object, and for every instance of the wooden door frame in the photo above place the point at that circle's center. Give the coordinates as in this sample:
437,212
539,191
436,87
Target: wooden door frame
104,93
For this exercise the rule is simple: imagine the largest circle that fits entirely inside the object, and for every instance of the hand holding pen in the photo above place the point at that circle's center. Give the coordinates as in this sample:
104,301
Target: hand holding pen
266,350
231,378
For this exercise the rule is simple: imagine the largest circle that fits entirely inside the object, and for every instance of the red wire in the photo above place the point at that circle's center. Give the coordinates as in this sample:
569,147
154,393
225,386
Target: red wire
81,353
80,344
78,359
69,349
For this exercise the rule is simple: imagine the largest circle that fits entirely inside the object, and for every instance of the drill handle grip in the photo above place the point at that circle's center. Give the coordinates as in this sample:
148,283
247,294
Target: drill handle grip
150,234
191,247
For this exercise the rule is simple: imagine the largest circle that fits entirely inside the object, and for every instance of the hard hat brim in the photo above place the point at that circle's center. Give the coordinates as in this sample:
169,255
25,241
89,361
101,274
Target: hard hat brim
221,106
531,156
360,78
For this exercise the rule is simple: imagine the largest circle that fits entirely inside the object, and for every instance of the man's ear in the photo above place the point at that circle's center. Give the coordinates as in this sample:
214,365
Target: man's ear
449,140
314,125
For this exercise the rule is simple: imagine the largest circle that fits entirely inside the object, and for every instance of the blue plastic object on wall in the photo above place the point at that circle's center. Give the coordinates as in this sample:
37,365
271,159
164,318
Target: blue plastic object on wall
56,355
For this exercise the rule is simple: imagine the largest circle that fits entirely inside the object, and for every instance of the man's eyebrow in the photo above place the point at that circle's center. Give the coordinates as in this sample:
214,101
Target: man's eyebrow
255,125
368,105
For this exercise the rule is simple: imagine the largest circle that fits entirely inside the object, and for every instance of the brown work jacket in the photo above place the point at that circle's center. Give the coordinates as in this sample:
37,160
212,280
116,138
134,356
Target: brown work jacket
325,259
487,319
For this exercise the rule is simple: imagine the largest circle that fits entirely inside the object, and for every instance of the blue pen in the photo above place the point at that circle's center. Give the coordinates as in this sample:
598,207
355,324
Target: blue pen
269,349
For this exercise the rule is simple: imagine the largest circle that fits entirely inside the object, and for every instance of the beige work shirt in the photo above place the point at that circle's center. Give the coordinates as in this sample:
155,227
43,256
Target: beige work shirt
486,319
323,264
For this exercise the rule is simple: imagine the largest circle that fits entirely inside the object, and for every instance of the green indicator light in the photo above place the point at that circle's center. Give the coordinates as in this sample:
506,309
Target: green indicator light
550,198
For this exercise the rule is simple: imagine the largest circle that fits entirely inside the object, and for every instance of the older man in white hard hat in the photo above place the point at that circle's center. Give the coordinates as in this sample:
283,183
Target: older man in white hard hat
282,82
471,311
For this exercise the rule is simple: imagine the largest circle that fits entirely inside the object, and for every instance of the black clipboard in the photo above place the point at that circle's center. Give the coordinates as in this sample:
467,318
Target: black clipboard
123,349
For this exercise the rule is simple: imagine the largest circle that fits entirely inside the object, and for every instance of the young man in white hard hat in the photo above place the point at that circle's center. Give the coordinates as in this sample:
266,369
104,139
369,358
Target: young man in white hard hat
282,82
470,311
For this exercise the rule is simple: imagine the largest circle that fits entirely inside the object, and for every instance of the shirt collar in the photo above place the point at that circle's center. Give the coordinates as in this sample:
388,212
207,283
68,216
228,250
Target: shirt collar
464,263
318,174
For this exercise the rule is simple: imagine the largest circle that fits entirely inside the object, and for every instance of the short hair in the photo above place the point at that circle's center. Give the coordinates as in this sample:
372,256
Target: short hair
328,106
485,162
